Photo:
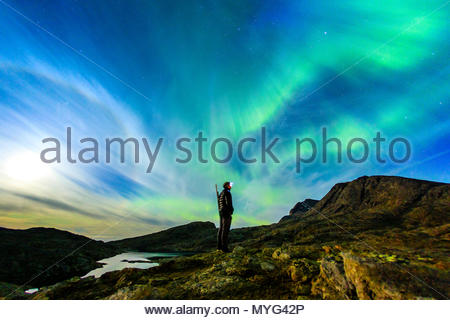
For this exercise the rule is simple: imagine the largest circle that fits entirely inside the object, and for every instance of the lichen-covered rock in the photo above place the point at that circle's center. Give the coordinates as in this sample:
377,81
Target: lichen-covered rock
303,270
332,282
238,250
280,255
267,266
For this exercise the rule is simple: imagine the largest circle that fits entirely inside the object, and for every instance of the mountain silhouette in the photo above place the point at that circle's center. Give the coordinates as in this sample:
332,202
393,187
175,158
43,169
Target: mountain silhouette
30,256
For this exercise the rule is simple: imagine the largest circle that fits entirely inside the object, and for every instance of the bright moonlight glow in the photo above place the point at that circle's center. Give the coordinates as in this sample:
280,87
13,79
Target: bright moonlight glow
26,167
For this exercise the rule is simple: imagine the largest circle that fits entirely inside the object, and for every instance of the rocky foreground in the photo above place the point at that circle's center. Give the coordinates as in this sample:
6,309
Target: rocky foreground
373,238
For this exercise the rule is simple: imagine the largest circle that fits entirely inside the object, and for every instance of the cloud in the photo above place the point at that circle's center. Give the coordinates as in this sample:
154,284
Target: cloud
54,204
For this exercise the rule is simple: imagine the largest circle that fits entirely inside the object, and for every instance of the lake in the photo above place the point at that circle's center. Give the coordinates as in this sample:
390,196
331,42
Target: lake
139,260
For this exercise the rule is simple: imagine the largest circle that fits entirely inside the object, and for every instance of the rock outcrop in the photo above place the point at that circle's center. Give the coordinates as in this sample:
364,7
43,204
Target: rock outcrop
299,209
394,200
302,207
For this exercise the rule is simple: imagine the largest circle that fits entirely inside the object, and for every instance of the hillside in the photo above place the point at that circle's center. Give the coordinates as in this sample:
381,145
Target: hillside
191,237
372,238
25,254
196,236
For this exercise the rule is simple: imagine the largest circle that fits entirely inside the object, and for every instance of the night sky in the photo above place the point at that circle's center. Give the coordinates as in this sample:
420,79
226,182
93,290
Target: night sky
169,69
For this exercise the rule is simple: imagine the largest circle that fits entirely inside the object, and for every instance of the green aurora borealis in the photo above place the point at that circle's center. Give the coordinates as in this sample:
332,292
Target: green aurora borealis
227,68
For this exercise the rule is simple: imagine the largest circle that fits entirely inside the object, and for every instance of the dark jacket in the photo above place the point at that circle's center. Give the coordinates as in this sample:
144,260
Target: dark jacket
225,203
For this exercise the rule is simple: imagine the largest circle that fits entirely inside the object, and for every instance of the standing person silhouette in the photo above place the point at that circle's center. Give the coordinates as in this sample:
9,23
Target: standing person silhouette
225,211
